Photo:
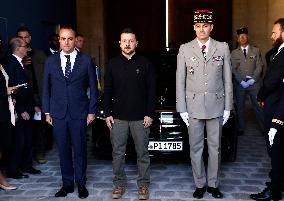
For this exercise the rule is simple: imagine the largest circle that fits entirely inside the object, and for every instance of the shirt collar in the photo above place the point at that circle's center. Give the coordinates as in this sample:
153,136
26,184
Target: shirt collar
281,46
245,48
19,59
206,44
72,54
52,51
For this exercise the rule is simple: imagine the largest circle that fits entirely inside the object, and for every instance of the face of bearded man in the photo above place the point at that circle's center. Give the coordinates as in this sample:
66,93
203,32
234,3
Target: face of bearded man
276,36
128,44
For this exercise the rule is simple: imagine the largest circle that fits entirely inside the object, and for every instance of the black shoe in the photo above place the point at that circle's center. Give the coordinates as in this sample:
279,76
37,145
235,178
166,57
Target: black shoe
267,195
199,192
215,192
16,175
64,191
82,192
31,170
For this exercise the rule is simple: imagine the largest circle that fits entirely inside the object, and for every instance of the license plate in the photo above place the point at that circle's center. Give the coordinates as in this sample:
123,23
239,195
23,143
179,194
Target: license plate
165,146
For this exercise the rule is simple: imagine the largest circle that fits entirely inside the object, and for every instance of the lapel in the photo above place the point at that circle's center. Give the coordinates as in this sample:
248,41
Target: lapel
58,66
76,65
212,49
197,50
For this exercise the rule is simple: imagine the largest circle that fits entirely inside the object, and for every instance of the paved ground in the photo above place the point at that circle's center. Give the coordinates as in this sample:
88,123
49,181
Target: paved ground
171,179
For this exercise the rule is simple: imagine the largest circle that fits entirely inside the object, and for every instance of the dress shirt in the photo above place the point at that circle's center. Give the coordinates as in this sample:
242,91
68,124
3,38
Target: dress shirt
53,51
206,44
246,48
64,60
279,49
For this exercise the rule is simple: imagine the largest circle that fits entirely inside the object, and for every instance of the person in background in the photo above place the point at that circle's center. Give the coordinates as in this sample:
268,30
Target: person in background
53,44
34,64
21,155
129,101
80,40
247,67
7,121
204,98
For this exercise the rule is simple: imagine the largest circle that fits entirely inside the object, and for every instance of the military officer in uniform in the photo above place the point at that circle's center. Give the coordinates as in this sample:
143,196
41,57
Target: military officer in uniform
271,97
247,67
204,99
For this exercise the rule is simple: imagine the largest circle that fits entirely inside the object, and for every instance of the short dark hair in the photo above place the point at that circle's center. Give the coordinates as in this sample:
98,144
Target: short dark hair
23,29
68,27
281,22
129,30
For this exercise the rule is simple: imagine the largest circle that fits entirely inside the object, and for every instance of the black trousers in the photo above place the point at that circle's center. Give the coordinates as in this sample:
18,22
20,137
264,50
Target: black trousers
276,153
21,156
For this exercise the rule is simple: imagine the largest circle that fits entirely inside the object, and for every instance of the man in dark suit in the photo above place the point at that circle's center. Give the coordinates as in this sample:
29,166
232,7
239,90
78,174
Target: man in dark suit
21,157
34,63
66,78
270,97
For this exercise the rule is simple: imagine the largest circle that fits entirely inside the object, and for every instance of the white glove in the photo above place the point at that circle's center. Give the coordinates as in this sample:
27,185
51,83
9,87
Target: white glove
226,116
251,81
184,116
244,84
272,132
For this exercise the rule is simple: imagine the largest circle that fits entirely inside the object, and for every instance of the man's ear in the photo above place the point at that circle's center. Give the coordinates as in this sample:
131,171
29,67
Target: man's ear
194,27
212,26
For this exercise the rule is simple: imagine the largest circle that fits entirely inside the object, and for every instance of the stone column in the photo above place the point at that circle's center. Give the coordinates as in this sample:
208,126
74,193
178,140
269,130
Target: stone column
91,23
258,16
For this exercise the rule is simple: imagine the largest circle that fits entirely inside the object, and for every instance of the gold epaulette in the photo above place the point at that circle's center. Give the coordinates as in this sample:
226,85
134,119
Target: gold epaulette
277,121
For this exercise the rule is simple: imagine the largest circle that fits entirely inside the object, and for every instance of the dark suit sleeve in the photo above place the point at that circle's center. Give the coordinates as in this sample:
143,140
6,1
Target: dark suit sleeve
3,89
271,82
278,117
93,87
151,90
259,66
46,88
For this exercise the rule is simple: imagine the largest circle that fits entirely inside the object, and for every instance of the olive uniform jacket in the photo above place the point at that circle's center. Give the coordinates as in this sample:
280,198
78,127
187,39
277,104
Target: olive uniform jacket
250,65
204,88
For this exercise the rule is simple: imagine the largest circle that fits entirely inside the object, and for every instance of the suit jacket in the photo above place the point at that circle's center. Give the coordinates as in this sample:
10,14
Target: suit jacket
24,96
38,60
4,104
204,87
61,94
250,65
272,89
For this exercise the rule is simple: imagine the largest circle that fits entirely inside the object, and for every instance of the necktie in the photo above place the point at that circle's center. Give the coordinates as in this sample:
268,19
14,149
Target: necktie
203,51
245,52
68,66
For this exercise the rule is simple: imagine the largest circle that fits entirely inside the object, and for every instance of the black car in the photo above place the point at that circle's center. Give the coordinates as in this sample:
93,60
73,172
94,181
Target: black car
168,132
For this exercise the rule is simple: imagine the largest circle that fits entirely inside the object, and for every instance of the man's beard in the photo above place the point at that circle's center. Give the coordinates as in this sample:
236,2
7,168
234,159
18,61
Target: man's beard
127,53
278,41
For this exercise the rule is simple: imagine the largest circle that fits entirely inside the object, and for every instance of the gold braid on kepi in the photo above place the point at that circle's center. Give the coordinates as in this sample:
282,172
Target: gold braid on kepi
203,16
277,121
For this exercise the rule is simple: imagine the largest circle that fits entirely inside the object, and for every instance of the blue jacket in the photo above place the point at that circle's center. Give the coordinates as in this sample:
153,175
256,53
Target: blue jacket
61,95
